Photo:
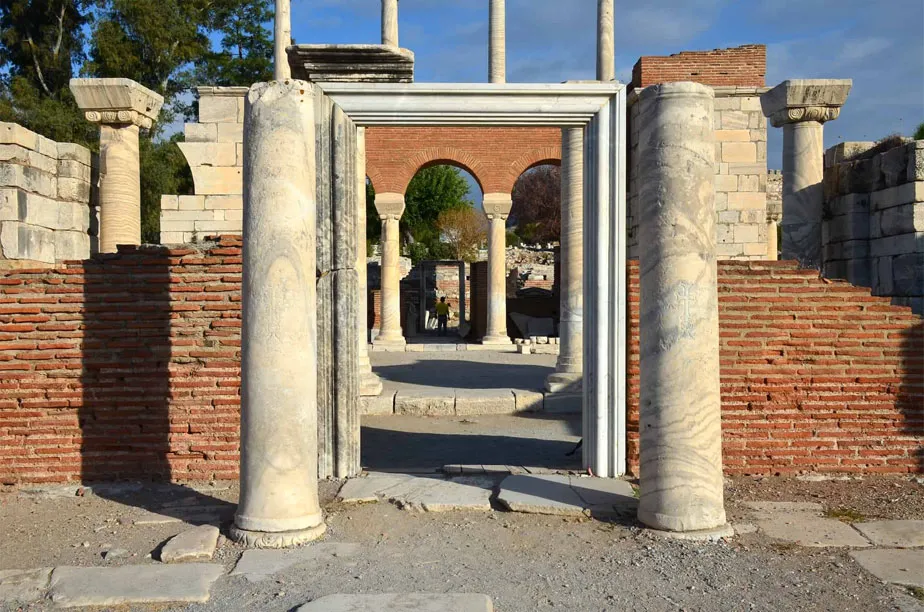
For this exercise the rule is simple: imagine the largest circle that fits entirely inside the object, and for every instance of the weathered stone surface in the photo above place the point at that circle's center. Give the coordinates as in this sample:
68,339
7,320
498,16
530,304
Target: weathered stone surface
808,529
117,101
132,584
899,534
525,400
403,602
905,567
378,404
537,494
22,241
194,545
370,488
352,63
783,506
484,401
424,403
258,565
22,586
563,403
462,493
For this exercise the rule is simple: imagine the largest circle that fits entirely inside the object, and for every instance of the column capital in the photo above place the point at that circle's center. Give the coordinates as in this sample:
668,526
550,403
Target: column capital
389,205
500,216
497,204
117,101
798,100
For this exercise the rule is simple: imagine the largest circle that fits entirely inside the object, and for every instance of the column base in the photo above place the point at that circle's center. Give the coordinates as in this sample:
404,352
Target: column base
276,539
369,385
715,534
389,340
496,340
568,382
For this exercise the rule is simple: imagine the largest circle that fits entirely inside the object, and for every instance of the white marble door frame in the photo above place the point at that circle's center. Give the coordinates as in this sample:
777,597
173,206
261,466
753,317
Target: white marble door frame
600,108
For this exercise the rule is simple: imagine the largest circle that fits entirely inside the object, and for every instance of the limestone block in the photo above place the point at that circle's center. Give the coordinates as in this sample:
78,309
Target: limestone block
13,133
71,245
728,135
17,154
67,168
209,153
73,190
230,202
901,219
845,151
201,132
901,244
756,249
749,182
908,272
52,214
726,182
748,168
915,167
21,241
725,234
233,215
745,200
239,148
864,175
734,120
9,204
425,403
726,103
729,250
193,202
218,109
484,401
74,152
758,136
218,181
895,166
883,276
750,104
230,132
218,227
846,227
528,400
739,152
169,202
171,237
896,196
728,217
29,179
747,233
753,216
721,201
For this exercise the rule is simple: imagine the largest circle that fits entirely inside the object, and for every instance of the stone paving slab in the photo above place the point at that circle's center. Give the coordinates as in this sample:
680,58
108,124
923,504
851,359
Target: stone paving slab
541,494
192,545
807,529
23,586
384,403
132,584
525,400
484,401
403,602
369,488
604,494
775,506
438,402
898,566
258,565
421,492
563,403
894,534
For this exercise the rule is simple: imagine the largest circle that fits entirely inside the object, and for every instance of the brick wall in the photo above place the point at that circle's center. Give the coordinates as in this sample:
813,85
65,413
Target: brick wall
739,66
128,367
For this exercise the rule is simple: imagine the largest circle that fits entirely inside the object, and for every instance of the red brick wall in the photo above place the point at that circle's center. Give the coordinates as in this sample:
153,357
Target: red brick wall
816,375
745,66
496,157
129,367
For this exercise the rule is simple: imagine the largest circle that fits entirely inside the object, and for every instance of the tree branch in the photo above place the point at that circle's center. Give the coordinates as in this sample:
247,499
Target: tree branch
60,31
38,68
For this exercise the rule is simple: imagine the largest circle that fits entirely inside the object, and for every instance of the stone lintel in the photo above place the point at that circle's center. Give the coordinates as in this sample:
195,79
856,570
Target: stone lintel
222,92
798,100
351,63
117,101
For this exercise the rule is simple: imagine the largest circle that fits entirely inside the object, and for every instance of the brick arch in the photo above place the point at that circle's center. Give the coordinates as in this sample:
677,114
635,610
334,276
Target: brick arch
449,156
532,158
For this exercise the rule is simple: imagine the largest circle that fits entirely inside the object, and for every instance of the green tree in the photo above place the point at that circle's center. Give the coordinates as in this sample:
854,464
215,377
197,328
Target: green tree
431,191
919,133
245,52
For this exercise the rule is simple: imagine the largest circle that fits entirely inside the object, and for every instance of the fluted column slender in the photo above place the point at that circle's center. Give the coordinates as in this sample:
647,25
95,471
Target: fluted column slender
369,383
282,32
569,369
279,438
606,52
497,43
680,404
497,208
390,207
390,23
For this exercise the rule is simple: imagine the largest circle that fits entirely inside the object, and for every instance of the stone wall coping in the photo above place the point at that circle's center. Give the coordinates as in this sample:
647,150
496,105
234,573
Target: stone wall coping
721,91
222,91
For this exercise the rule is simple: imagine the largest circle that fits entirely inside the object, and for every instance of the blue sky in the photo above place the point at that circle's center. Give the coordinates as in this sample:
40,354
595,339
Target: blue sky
877,43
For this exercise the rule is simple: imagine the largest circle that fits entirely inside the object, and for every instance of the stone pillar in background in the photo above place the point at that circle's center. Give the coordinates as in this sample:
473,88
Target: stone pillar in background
121,107
680,402
570,367
497,43
497,207
390,207
279,455
369,383
282,38
801,107
606,52
390,23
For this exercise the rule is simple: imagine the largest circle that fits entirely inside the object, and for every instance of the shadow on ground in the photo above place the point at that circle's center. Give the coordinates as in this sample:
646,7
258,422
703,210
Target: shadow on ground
461,374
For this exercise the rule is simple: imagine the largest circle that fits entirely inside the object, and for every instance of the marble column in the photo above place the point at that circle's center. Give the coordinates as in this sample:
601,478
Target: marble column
606,53
569,369
680,403
121,107
390,207
282,32
278,504
497,43
390,23
369,382
497,208
801,107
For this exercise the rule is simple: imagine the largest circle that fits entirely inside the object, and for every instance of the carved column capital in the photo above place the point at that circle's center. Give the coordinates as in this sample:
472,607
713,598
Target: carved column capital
799,100
116,101
493,216
119,117
804,113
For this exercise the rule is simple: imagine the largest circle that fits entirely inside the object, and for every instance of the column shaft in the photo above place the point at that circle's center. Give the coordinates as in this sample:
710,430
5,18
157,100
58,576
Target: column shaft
391,284
680,401
803,192
279,456
497,43
390,23
120,186
496,332
369,383
606,54
282,39
569,369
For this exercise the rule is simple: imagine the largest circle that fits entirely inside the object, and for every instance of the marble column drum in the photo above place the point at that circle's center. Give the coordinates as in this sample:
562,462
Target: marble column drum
278,504
497,208
282,38
369,382
390,23
120,186
390,207
497,43
569,369
606,53
680,402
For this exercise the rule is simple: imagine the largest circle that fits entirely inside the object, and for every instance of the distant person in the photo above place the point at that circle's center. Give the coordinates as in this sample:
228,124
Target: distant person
442,317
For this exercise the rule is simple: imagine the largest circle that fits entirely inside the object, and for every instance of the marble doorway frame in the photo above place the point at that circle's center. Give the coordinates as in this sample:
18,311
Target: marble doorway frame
598,108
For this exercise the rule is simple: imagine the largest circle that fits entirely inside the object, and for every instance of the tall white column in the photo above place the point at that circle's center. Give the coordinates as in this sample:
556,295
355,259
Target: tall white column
369,383
282,39
497,43
390,23
497,208
801,107
121,107
390,207
680,403
569,370
279,452
606,52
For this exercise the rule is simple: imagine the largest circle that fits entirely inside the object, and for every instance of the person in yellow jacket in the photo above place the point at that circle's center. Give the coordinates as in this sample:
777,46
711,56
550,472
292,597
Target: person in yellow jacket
442,316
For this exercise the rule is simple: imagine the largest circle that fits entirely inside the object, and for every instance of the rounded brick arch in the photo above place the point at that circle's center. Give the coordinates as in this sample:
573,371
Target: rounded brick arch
536,157
449,156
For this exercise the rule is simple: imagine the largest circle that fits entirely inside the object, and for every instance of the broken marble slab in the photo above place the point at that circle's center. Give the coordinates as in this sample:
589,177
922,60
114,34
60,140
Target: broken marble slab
195,544
258,565
567,495
23,586
895,565
894,534
420,492
401,602
132,584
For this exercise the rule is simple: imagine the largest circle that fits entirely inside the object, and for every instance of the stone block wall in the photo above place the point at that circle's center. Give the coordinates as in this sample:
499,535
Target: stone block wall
214,150
740,173
47,213
873,227
127,366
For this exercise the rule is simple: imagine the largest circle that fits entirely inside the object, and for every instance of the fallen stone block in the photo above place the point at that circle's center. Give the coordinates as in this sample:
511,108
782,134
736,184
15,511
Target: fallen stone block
535,494
425,403
132,584
370,488
403,602
192,545
23,586
259,565
896,566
